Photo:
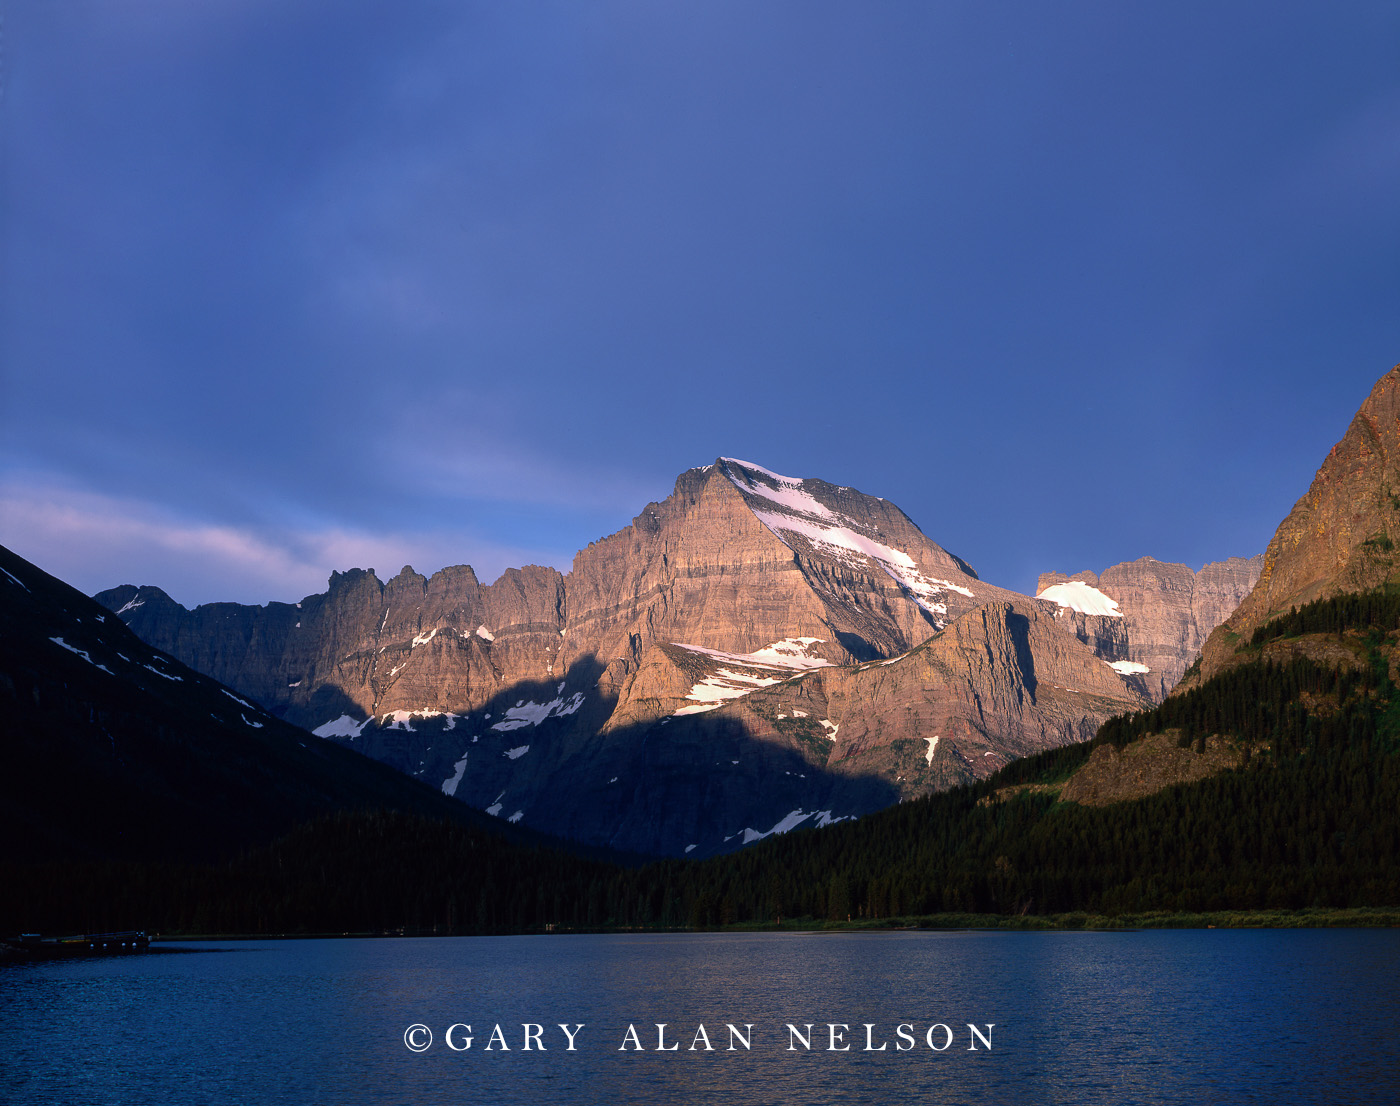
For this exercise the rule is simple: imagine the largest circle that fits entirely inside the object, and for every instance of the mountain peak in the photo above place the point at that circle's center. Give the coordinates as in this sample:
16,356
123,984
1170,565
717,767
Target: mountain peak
1341,536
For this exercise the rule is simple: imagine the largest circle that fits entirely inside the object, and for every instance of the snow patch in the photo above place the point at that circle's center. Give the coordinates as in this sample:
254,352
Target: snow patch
130,605
158,672
485,634
73,649
830,727
423,639
848,545
790,653
21,583
236,699
932,745
532,714
1128,668
786,491
791,821
246,722
787,508
344,726
784,658
1079,596
518,752
725,684
403,719
449,786
519,814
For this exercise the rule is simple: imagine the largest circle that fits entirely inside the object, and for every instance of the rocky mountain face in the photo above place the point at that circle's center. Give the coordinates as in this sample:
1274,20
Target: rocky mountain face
1148,618
822,742
737,557
1340,537
754,652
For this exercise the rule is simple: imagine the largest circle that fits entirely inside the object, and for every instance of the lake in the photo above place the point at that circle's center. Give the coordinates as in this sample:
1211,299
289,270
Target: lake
1167,1016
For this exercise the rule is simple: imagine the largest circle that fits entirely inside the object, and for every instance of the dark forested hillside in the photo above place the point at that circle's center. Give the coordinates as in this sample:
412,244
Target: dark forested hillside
1310,818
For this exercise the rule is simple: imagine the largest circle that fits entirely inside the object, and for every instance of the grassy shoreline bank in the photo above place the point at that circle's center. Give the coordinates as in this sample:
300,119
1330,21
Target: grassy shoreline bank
1317,918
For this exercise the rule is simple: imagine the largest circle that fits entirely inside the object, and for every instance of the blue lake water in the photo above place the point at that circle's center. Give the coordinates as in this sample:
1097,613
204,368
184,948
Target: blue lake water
1216,1016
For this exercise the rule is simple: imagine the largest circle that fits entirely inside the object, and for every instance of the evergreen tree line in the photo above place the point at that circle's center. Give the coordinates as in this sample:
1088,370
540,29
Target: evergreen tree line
1370,610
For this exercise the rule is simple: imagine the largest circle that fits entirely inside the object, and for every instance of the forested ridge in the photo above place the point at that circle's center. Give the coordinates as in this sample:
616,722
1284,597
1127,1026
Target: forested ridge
1311,819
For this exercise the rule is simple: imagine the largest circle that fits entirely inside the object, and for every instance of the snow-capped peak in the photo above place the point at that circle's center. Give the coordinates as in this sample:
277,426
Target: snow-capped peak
785,506
785,492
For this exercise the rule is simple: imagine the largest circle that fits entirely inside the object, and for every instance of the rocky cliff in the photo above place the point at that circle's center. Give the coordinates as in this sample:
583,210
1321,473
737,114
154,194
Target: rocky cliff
1150,618
1340,537
1002,682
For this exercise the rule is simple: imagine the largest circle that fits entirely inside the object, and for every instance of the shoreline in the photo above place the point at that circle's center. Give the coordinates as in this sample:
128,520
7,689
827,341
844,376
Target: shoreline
1309,918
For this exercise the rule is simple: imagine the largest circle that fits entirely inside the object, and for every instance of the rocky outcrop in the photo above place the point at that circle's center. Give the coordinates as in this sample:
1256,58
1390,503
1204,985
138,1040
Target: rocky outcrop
1340,537
1002,682
1142,768
1162,613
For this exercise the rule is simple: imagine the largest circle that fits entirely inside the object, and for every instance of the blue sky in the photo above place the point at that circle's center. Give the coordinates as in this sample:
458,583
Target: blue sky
299,287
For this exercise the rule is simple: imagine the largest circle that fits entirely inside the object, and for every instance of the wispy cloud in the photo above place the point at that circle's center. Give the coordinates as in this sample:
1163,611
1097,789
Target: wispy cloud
493,455
95,541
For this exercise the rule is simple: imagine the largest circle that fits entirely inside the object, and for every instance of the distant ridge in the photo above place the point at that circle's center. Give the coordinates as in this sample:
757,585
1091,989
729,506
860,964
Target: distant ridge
1151,617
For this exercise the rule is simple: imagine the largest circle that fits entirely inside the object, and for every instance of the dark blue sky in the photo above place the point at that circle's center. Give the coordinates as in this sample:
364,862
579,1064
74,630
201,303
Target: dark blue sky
295,287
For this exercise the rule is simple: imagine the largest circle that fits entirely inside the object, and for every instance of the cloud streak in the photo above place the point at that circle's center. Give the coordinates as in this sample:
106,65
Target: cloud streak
96,541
